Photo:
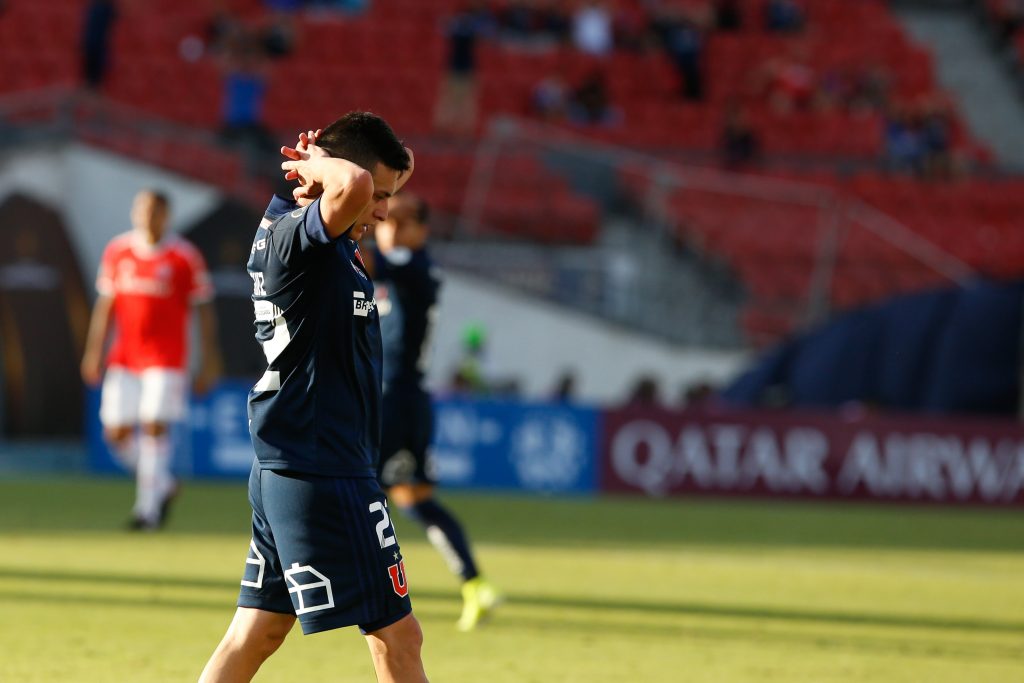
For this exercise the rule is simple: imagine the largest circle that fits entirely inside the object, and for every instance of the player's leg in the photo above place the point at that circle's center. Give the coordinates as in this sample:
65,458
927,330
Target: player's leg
155,485
162,403
445,532
265,614
252,637
119,414
407,472
395,650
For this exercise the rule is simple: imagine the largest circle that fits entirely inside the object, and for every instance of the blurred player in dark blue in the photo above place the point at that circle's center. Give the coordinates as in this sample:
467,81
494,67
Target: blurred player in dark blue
407,291
323,548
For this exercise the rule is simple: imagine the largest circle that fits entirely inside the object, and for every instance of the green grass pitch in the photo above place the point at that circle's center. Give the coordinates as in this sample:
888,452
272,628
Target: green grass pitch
598,590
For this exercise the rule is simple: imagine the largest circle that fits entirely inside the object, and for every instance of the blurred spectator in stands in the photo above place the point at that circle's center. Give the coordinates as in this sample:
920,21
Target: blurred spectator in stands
728,16
936,134
553,20
904,141
740,144
698,394
631,28
871,89
456,106
350,6
518,20
549,100
645,393
592,28
1007,17
223,28
278,36
565,388
589,104
536,23
243,66
783,16
100,16
682,37
789,82
471,374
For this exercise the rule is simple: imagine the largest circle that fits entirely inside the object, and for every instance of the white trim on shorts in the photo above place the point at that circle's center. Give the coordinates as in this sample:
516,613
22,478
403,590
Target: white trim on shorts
153,395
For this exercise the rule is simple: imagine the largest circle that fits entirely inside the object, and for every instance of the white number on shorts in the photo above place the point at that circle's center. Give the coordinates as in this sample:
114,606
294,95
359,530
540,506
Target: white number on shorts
382,525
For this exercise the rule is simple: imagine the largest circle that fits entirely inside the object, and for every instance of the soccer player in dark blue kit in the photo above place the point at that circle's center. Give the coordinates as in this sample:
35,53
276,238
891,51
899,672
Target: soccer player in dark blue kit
408,284
323,548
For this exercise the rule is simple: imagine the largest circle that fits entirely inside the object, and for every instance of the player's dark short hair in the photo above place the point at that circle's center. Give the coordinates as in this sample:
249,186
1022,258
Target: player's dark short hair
159,197
420,208
364,139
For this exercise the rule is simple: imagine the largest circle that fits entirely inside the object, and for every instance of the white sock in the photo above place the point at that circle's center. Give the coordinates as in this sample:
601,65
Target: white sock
153,477
128,452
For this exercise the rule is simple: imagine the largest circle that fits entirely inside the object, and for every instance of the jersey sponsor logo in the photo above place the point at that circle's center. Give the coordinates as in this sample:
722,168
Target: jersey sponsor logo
258,245
356,268
312,590
265,311
129,281
361,306
398,580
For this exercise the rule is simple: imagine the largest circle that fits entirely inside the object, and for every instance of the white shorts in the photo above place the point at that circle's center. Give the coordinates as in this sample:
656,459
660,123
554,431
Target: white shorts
153,395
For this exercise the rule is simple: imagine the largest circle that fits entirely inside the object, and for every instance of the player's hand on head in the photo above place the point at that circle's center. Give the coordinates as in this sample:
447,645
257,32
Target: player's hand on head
308,138
305,146
307,191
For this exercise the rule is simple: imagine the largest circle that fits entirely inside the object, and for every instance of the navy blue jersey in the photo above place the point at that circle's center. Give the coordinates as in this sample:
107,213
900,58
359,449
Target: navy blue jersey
412,284
317,408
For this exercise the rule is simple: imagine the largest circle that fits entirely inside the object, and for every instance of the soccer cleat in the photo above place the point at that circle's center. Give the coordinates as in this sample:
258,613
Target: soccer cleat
479,598
139,524
165,506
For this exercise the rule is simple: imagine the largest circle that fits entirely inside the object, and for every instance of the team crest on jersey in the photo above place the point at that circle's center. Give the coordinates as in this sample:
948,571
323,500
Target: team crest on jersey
361,306
359,272
398,580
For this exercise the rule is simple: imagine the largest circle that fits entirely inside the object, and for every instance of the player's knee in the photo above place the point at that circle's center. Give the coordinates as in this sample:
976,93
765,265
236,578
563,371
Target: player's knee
401,642
154,428
410,495
117,436
261,642
268,643
258,636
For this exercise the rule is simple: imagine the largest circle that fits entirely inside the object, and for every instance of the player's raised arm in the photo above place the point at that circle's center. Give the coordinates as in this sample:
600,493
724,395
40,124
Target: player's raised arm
344,188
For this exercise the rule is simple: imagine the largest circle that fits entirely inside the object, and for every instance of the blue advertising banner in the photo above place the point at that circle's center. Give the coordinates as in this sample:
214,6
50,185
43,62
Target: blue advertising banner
550,448
506,445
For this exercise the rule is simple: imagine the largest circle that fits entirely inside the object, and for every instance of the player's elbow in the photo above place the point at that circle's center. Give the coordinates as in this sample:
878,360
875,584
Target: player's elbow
360,188
344,203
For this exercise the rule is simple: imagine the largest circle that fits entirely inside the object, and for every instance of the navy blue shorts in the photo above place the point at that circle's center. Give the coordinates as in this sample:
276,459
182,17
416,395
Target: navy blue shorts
406,437
323,549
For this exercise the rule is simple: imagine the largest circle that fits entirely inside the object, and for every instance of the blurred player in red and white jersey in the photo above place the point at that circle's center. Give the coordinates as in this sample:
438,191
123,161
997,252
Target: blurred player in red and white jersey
148,284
